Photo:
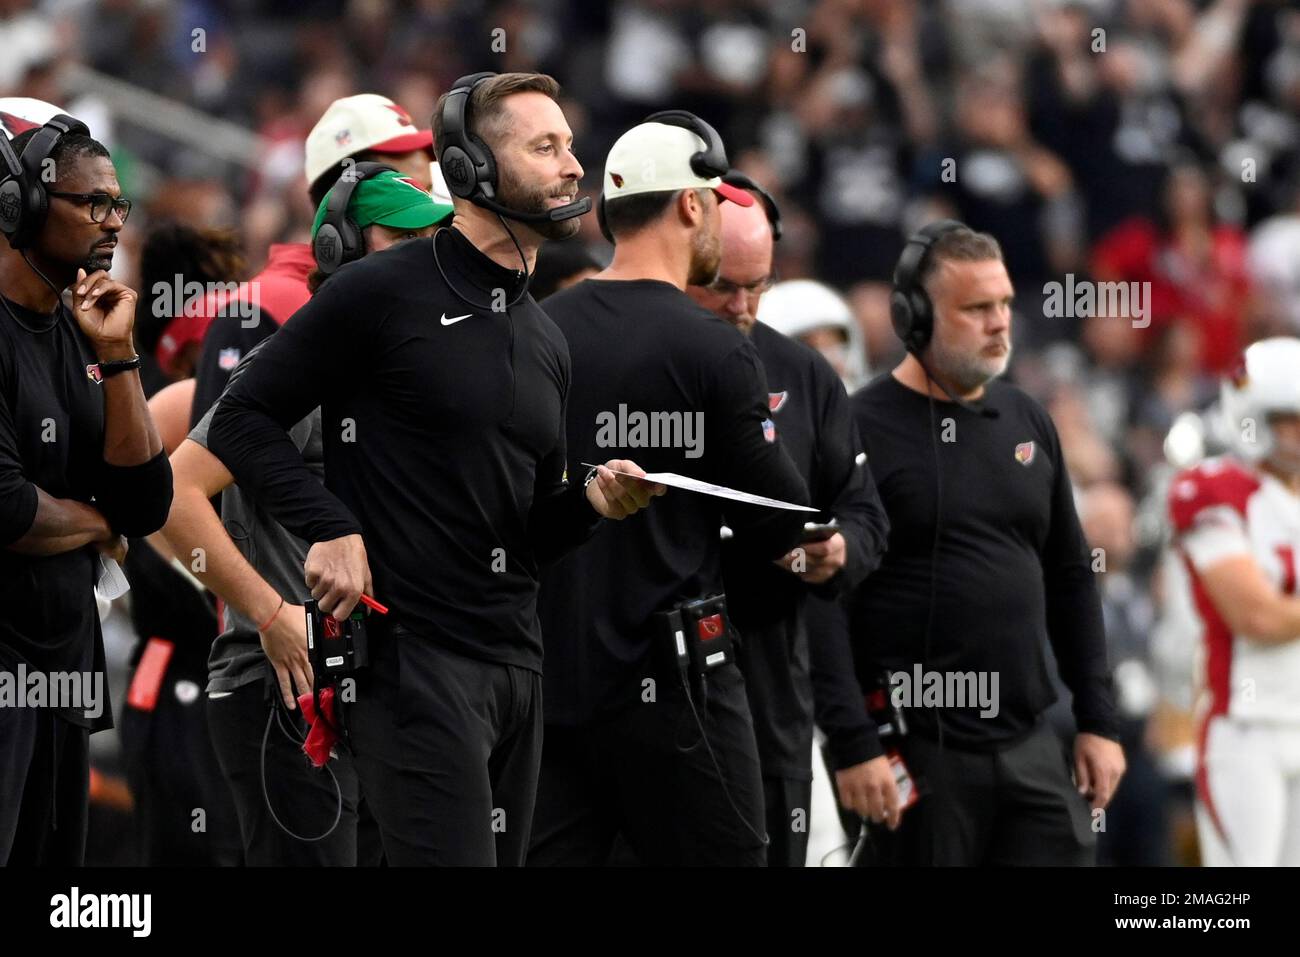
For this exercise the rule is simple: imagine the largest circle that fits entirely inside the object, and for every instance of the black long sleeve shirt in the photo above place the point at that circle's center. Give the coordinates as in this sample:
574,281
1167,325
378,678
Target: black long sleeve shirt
811,414
52,438
643,348
443,425
1012,569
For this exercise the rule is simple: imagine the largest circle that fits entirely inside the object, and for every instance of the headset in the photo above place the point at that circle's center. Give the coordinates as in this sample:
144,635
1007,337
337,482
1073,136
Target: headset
469,167
738,179
339,240
24,199
707,163
910,308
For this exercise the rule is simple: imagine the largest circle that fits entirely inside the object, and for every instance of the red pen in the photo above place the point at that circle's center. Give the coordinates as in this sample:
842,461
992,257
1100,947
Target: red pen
371,603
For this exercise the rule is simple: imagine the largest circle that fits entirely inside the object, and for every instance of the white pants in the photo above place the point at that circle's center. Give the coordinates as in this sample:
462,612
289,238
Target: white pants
1248,795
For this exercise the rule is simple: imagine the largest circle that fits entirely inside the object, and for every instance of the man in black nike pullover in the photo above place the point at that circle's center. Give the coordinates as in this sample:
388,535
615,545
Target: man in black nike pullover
623,755
442,389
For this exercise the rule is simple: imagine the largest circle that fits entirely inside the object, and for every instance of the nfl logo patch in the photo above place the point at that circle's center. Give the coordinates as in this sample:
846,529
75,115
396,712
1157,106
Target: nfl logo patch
1025,453
342,137
227,359
776,400
769,430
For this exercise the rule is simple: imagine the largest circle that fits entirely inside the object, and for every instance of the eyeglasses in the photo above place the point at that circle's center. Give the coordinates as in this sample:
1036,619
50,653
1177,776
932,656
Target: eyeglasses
725,287
99,203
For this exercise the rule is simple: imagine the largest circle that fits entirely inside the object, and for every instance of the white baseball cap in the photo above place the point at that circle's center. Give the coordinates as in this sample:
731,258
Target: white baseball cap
655,158
18,114
355,124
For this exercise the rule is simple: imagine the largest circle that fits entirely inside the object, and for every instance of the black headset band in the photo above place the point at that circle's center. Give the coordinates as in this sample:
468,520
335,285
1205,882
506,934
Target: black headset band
340,194
708,162
455,108
907,273
738,179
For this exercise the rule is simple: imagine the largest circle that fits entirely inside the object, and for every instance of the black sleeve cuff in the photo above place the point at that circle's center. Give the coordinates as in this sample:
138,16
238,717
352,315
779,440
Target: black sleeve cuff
136,499
851,746
18,513
562,522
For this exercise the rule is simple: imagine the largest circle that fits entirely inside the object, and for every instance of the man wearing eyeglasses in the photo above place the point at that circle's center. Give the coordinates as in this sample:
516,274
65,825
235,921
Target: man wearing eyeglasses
81,466
781,608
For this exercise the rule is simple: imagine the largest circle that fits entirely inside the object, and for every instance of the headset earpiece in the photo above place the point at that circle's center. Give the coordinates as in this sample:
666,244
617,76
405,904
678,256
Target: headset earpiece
910,309
600,218
465,160
24,200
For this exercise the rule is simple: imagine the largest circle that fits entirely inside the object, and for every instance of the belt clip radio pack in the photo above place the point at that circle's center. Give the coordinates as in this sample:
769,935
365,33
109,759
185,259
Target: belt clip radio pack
701,635
336,648
892,728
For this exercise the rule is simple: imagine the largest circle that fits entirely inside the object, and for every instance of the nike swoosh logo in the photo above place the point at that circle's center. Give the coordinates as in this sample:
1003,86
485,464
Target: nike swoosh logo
455,319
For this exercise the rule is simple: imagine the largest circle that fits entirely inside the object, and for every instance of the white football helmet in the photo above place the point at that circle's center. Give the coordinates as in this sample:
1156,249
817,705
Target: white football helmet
1269,381
798,306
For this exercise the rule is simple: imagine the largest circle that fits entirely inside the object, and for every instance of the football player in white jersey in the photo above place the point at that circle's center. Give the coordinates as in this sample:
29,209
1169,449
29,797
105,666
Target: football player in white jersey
1236,523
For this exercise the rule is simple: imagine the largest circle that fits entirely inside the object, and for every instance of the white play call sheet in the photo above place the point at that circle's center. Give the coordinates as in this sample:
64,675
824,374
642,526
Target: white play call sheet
673,480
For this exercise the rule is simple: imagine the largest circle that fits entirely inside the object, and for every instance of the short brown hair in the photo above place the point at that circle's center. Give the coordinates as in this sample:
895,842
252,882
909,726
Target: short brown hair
486,118
959,245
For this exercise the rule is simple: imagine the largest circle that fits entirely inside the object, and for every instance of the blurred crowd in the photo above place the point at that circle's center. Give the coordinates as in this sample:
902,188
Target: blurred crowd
1143,141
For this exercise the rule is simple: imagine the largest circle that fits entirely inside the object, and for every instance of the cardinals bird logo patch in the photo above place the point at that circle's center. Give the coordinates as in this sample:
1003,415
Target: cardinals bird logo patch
1025,453
776,400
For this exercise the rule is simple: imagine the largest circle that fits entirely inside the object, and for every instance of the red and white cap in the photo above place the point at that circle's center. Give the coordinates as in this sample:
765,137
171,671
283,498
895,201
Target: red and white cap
365,122
18,114
656,157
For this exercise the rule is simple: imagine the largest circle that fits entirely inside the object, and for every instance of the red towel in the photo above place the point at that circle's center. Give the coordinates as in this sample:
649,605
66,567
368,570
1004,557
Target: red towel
322,734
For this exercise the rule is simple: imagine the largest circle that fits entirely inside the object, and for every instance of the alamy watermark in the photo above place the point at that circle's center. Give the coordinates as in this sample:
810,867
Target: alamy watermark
945,689
1085,299
63,690
181,298
653,430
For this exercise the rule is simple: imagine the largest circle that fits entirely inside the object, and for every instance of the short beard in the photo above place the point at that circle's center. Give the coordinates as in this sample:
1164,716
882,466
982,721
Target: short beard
967,373
516,195
706,258
95,262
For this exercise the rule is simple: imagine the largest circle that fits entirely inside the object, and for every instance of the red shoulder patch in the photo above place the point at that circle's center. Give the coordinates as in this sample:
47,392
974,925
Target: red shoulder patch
1216,482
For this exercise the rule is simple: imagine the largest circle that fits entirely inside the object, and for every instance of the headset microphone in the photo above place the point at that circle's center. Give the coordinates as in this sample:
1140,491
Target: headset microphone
557,215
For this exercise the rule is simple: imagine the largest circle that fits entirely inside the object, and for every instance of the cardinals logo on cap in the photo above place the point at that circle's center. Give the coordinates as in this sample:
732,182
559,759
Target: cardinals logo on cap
1025,453
618,180
403,118
14,125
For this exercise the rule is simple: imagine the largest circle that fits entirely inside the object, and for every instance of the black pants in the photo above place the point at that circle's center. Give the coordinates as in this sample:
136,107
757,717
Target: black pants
447,750
184,813
304,798
644,773
787,803
1013,807
44,789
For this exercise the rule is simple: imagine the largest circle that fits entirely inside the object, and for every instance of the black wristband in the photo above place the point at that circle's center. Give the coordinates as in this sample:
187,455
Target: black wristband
109,369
